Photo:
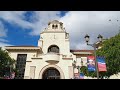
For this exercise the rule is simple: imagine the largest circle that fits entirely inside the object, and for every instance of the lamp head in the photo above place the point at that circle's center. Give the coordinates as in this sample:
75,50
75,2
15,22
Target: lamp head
87,38
100,37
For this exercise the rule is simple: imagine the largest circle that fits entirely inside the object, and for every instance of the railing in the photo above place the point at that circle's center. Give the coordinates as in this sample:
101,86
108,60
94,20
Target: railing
52,57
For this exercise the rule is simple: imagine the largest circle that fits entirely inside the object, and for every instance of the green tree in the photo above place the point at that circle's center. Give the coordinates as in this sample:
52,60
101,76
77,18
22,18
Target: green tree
6,63
111,51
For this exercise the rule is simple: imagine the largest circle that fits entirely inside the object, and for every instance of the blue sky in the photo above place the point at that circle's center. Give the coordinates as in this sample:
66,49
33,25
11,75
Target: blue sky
24,27
19,36
16,35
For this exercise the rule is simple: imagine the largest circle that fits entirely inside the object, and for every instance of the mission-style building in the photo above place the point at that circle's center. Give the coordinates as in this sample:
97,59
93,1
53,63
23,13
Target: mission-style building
51,59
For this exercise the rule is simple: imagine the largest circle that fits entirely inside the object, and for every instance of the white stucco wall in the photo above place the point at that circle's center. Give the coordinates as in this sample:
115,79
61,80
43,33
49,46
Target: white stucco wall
115,76
55,39
13,54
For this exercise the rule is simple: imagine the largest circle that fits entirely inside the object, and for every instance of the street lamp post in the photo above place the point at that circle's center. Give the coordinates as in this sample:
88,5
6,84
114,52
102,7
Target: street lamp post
94,46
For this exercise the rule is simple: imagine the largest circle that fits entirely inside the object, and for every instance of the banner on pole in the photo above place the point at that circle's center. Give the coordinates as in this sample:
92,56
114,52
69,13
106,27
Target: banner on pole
101,64
81,76
91,63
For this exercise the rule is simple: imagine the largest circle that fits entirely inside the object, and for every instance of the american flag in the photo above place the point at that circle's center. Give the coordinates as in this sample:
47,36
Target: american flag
101,64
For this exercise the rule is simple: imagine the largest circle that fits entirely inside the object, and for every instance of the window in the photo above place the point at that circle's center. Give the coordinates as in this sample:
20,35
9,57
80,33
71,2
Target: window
56,26
66,35
51,73
53,26
53,48
20,66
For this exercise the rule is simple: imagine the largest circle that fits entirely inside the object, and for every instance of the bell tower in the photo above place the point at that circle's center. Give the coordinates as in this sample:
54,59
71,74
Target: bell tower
55,26
54,35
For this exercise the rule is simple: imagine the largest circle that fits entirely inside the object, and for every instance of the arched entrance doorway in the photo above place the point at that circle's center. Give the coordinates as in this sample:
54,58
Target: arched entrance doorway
51,73
45,68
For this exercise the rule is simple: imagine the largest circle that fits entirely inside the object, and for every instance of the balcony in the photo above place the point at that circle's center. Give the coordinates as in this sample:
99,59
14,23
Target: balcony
52,57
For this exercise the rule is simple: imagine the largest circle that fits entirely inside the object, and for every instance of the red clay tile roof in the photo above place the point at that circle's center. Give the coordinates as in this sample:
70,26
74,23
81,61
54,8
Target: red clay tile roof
22,46
81,50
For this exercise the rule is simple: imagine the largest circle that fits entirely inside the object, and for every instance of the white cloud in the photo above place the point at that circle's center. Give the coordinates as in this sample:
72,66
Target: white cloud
39,20
77,23
41,17
3,40
3,30
3,33
16,18
2,44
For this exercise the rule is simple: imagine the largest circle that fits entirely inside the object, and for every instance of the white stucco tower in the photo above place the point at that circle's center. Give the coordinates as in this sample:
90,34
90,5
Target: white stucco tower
55,34
55,45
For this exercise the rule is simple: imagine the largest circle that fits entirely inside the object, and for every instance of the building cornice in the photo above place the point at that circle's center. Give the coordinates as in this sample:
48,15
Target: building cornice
22,48
82,51
53,32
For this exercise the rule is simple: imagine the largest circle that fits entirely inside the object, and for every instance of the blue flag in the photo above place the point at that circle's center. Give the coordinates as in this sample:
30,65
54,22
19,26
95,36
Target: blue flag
81,76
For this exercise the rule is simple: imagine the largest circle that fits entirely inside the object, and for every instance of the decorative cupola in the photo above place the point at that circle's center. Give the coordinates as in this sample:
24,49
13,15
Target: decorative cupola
55,25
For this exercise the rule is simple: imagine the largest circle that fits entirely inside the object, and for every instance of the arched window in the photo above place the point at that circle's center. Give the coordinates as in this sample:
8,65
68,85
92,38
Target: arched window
53,48
53,26
56,26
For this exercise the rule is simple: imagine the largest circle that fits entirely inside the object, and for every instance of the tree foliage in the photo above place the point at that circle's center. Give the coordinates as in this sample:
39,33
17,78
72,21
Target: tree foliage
111,51
6,63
